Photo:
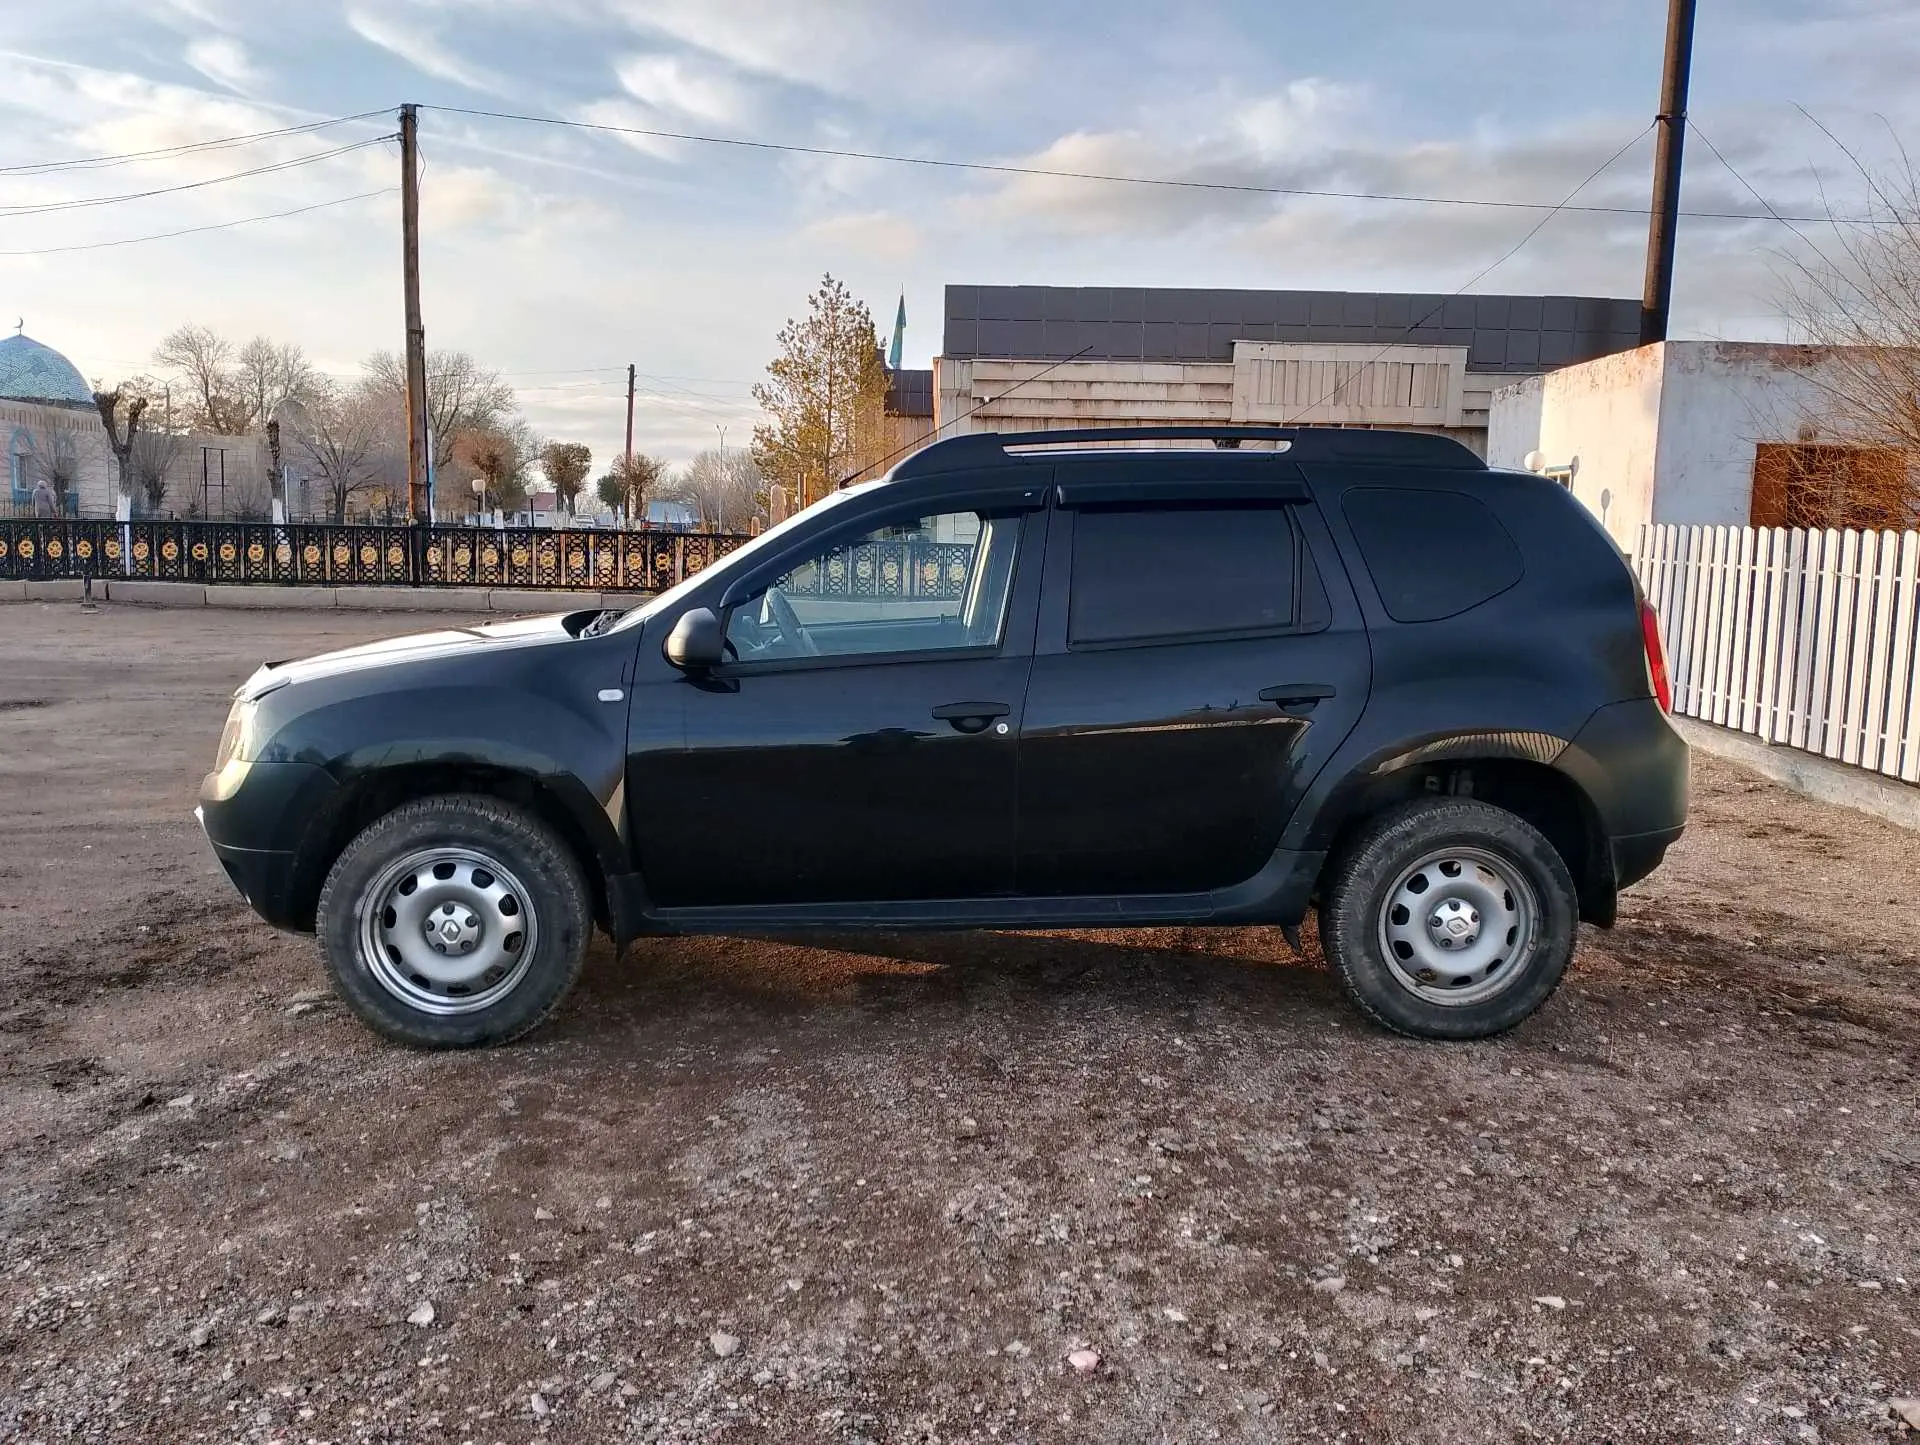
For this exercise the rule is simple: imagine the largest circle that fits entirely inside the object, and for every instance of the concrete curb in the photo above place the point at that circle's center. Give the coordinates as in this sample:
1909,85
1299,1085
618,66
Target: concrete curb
509,601
1821,778
68,589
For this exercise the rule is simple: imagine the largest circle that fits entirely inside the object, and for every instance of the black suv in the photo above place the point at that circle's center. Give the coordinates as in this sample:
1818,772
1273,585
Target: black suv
1026,681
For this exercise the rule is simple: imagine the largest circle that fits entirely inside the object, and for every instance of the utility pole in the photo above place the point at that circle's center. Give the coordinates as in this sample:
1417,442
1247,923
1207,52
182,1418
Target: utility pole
1656,299
418,501
629,416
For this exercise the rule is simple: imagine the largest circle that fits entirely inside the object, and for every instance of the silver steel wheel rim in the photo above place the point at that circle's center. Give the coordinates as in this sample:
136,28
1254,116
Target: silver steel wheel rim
1459,927
447,930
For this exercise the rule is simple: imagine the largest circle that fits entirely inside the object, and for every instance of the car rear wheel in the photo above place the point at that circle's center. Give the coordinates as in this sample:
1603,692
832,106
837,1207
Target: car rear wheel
1449,919
454,922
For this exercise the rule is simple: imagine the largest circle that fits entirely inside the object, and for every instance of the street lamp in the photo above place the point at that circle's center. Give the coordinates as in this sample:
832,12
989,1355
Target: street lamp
480,498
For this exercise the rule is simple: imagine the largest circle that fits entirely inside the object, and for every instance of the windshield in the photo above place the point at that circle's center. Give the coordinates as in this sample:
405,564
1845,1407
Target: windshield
740,558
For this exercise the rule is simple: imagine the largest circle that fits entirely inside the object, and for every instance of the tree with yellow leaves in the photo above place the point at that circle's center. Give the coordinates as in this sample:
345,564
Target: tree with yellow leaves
825,398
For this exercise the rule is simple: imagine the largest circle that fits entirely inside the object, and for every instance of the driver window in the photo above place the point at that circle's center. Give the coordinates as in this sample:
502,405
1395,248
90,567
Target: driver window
939,581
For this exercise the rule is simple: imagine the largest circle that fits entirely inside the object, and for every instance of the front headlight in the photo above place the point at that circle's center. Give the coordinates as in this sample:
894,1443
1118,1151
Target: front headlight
236,739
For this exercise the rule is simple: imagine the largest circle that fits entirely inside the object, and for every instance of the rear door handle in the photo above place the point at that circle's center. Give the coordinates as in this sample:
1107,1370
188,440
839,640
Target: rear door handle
1302,695
971,717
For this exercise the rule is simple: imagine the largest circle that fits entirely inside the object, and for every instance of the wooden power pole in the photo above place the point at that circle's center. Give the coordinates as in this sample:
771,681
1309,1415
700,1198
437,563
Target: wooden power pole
1656,299
418,502
629,416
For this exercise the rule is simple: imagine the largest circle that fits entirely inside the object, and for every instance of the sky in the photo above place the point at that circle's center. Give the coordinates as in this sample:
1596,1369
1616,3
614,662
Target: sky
560,254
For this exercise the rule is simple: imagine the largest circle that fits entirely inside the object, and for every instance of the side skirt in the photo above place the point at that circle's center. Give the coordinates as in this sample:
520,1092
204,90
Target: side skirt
1277,894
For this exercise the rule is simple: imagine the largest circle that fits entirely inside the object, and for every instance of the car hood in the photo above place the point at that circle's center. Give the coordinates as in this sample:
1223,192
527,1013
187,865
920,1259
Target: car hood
416,647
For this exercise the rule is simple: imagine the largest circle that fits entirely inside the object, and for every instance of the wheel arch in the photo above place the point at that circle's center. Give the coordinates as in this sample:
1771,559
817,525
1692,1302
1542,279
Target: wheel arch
562,804
1515,778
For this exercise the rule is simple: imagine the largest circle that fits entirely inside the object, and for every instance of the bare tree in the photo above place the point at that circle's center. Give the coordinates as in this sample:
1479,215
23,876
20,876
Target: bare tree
151,464
1857,291
566,465
204,361
629,482
53,458
462,395
501,456
725,488
347,439
122,438
266,374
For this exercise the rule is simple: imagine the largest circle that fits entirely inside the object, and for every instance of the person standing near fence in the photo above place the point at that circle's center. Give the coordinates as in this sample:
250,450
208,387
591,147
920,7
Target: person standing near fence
45,504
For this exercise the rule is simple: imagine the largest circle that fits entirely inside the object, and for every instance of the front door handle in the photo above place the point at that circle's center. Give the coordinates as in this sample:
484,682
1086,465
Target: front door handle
970,717
1303,696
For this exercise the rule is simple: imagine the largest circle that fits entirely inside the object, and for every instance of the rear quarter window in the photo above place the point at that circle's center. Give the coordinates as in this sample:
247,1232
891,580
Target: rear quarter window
1431,554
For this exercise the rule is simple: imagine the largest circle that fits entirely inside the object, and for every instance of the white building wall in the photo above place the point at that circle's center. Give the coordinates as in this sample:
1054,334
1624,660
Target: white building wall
1717,402
28,425
1665,433
1513,422
982,394
1603,419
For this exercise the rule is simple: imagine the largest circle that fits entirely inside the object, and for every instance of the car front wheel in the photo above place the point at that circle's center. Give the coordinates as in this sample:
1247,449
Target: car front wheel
1449,919
454,922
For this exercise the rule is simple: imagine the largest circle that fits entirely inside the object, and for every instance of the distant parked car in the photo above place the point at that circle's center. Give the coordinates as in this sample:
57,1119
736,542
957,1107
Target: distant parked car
1010,686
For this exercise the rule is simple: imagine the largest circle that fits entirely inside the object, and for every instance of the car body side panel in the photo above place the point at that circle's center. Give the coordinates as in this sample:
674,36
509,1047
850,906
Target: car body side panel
1538,660
555,714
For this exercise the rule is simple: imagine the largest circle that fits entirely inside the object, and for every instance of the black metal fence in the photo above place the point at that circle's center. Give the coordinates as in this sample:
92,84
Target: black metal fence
321,555
314,554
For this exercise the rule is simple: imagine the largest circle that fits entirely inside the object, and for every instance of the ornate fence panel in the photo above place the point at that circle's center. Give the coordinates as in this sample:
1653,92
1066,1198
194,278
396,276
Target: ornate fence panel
894,568
315,554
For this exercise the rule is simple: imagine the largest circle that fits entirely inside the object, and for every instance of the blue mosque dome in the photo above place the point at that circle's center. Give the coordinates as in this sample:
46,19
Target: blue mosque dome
30,371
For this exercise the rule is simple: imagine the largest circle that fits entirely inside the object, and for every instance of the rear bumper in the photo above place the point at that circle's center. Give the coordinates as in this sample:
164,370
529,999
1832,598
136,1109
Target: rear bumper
1637,855
1632,765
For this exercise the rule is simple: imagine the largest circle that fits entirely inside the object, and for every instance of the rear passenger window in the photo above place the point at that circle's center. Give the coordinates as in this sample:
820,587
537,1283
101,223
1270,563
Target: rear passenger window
1146,573
1432,554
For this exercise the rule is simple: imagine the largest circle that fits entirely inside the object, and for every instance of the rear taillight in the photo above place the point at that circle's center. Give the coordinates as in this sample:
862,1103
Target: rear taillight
1656,657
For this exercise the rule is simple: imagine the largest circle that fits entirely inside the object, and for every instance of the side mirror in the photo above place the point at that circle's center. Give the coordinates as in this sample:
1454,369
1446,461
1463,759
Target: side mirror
695,642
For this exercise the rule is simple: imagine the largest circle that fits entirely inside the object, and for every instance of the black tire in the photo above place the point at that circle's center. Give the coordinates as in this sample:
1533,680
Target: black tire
556,911
1359,923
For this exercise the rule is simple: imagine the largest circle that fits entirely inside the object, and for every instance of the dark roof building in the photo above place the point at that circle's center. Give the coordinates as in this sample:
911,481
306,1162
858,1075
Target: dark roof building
1028,357
910,393
1133,323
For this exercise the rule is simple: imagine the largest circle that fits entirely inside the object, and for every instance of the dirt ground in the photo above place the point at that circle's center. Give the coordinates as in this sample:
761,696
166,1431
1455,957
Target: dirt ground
749,1190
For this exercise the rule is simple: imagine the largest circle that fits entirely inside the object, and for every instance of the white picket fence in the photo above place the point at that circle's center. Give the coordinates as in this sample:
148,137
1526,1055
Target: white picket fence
1807,639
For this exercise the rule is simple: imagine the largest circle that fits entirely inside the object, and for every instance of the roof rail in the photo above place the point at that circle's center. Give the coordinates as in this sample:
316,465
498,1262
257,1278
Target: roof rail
1303,444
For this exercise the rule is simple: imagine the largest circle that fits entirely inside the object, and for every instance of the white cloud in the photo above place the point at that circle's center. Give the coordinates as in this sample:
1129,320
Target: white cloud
630,117
1296,117
225,61
863,48
683,86
876,235
421,48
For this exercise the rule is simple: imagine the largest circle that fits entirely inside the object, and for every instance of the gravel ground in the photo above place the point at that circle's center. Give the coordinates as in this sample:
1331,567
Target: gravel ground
1142,1186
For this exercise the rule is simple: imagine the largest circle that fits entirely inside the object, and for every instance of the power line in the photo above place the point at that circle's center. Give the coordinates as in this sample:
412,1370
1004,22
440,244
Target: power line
216,143
1481,274
1808,240
199,230
9,212
980,405
1178,183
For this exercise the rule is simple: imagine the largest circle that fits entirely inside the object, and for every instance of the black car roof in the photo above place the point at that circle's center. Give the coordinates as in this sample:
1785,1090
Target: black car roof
980,450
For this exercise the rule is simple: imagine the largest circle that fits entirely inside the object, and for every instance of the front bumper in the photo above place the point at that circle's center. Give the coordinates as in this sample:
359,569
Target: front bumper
255,816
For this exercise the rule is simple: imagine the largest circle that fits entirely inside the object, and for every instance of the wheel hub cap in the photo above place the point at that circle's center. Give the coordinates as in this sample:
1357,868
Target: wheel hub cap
1458,926
452,928
447,930
1454,924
